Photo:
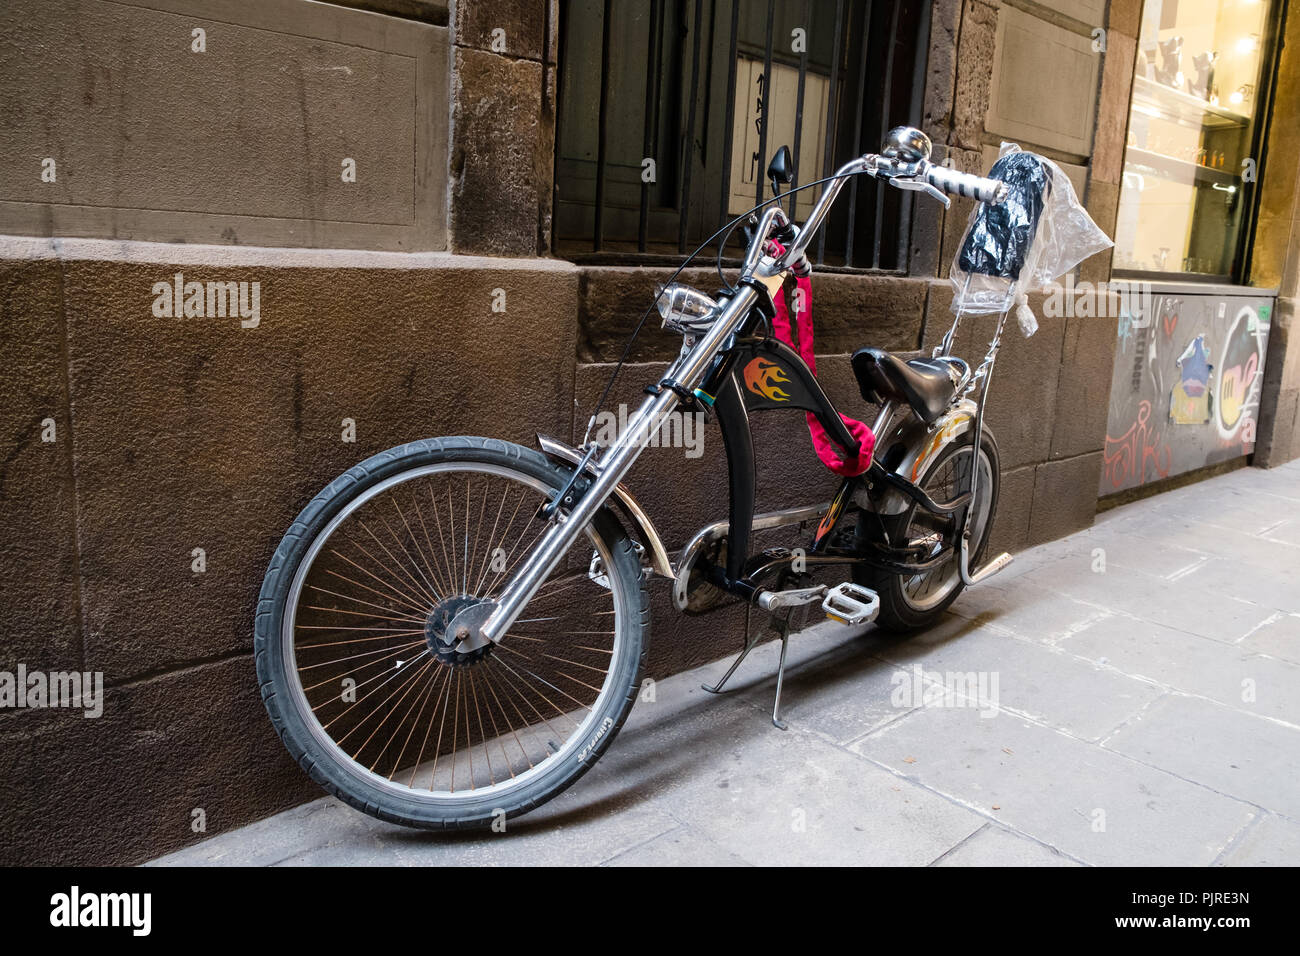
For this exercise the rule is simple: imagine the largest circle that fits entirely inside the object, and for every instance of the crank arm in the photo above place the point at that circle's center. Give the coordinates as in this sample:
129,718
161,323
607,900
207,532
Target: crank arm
795,597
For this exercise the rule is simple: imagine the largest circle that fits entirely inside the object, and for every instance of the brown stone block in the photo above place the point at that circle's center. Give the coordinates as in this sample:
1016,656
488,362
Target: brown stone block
1285,325
1125,17
1083,390
1278,436
1271,255
849,312
251,142
38,561
429,11
1279,417
853,311
122,788
1103,207
1112,109
682,494
1280,173
976,55
422,353
941,68
544,164
496,142
523,23
197,433
1282,365
1015,505
680,641
956,218
1022,403
1289,287
1065,497
185,439
612,301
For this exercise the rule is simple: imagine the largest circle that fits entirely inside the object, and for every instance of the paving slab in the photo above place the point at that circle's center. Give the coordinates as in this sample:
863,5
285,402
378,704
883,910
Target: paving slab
993,845
1095,805
776,797
1267,582
1028,610
841,694
327,832
1213,613
1268,841
1123,549
1277,637
1235,676
1234,753
680,847
1064,691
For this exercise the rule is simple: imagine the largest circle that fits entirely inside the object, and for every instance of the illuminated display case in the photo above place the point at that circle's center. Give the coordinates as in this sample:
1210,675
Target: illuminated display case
1192,156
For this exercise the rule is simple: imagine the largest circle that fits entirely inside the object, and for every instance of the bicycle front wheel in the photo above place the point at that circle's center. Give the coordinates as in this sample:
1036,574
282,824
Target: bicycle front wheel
366,685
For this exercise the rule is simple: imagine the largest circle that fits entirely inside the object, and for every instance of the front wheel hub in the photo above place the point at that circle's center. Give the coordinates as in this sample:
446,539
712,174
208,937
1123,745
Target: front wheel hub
452,621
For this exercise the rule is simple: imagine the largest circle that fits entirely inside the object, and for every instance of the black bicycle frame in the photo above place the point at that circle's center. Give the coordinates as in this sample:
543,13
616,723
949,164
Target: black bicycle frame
760,374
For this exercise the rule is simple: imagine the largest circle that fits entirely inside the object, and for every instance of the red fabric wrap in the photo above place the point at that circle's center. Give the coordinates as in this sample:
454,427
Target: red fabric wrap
827,450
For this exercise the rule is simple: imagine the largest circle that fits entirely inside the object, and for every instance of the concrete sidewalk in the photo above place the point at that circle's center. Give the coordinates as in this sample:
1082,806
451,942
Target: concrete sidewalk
1137,701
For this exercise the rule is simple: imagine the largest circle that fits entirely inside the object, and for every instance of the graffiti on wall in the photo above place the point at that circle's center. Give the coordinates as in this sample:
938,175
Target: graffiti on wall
1185,392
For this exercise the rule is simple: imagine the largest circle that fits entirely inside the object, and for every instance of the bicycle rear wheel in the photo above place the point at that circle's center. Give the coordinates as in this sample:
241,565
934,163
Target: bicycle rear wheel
912,601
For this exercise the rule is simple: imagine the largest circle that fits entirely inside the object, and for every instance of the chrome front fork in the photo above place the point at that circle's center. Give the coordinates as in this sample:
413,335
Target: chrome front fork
688,372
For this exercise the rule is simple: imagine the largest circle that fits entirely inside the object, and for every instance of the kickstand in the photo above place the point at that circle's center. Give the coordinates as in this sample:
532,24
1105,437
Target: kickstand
783,630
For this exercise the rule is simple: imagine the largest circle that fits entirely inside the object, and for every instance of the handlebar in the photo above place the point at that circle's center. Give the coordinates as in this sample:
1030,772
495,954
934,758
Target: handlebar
909,171
965,184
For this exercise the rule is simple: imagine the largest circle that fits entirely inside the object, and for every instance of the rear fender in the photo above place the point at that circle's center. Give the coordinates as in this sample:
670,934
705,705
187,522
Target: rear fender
920,444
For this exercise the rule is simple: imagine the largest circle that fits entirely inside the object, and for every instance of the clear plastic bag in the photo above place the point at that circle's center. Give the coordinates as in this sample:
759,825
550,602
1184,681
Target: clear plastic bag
1038,234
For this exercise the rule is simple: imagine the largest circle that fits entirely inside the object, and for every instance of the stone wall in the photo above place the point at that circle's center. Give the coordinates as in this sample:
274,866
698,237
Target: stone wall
1275,263
171,435
240,122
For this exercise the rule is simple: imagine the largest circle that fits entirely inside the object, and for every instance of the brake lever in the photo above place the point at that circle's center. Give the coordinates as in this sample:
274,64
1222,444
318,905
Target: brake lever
920,185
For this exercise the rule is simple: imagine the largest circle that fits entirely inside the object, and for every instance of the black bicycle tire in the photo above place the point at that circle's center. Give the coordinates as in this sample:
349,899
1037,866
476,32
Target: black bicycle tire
896,614
324,767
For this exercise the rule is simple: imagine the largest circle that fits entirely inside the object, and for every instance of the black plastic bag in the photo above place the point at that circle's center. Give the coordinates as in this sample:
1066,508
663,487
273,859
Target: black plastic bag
999,237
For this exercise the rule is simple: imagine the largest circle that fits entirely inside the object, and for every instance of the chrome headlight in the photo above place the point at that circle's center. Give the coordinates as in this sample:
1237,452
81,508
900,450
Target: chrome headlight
685,310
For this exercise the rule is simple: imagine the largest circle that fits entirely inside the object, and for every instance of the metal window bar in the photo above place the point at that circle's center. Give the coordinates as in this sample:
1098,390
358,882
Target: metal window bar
874,74
765,100
688,140
650,137
828,159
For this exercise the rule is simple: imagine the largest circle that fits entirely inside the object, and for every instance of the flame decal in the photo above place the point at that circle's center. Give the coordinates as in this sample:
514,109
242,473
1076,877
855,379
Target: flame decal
762,378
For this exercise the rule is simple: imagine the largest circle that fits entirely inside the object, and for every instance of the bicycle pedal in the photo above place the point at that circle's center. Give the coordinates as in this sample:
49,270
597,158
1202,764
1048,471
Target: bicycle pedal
851,604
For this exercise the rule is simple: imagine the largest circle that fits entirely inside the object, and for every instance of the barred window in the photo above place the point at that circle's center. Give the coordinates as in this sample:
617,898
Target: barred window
670,111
